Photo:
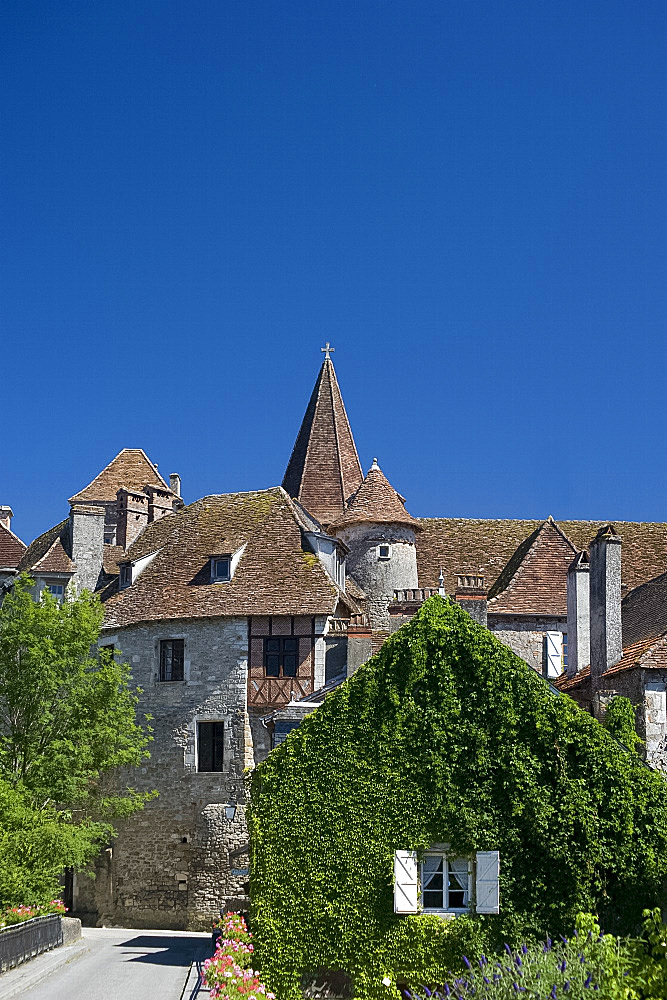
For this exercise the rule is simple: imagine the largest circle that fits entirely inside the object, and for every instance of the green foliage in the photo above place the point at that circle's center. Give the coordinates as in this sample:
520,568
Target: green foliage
619,720
36,845
445,736
67,724
67,713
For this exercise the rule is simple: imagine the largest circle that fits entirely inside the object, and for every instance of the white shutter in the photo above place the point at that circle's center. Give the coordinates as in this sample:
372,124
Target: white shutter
487,889
553,644
406,888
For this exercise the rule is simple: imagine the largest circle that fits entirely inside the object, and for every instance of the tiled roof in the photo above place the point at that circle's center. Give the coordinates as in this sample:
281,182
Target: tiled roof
534,579
112,555
324,468
130,468
462,545
48,553
644,610
274,574
644,630
11,548
376,501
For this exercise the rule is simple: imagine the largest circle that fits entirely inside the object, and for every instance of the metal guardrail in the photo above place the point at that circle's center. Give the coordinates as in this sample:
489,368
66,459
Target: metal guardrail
23,941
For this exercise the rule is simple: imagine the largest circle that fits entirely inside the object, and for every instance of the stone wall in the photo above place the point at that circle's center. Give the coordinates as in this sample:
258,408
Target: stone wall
525,636
87,539
378,577
170,865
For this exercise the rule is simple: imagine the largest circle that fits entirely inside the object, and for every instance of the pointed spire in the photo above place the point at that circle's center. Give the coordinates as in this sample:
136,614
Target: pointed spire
376,501
324,468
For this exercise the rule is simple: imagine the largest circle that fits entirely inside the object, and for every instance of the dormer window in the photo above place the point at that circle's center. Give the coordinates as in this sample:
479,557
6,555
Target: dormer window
125,576
384,551
221,569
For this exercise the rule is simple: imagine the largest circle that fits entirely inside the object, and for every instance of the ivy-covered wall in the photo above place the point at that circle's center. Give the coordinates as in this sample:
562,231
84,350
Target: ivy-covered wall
444,736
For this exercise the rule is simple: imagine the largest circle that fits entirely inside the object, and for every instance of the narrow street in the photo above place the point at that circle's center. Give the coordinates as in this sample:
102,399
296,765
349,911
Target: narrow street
121,965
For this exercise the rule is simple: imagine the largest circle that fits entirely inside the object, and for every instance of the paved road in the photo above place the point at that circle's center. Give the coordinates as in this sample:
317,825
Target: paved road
124,965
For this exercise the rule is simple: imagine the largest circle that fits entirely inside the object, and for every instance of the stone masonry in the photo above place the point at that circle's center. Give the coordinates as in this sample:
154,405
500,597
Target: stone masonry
170,865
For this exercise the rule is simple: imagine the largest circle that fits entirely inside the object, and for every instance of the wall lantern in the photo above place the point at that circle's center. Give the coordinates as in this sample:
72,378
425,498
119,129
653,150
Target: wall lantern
230,810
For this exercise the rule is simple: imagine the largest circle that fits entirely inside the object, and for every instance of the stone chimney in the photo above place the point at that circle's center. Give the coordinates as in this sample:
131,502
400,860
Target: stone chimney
578,614
6,514
472,595
86,523
605,598
160,502
132,516
175,483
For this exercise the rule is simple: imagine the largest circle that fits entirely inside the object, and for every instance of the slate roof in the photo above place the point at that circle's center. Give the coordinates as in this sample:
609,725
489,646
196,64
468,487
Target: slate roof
49,552
324,470
484,546
11,548
131,468
376,501
274,574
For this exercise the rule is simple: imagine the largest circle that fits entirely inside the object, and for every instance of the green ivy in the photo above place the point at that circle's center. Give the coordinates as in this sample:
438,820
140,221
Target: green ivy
444,736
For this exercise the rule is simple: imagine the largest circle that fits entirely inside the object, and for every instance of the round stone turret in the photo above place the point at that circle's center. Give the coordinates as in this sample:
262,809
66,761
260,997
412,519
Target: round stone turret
380,534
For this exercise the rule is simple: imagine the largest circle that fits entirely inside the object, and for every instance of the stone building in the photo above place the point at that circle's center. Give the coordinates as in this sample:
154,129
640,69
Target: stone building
619,646
11,549
238,612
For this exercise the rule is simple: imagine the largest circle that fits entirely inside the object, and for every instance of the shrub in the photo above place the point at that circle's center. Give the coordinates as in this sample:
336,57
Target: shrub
17,914
444,736
228,973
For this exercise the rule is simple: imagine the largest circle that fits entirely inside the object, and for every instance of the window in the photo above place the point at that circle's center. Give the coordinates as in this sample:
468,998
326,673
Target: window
221,569
281,730
384,551
281,656
210,746
56,590
125,575
108,538
109,649
171,659
445,882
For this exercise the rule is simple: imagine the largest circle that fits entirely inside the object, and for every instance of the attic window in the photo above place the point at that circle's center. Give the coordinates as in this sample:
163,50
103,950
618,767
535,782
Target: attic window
384,551
125,579
221,569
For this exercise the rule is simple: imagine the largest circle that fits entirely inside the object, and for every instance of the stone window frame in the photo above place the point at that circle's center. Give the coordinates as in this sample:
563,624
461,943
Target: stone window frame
170,637
381,546
198,746
191,748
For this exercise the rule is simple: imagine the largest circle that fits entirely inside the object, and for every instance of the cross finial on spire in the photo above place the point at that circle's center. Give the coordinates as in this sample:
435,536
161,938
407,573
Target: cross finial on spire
326,351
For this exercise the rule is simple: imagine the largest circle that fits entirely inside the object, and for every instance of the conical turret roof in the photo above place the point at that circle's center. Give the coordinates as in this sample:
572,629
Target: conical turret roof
324,467
377,502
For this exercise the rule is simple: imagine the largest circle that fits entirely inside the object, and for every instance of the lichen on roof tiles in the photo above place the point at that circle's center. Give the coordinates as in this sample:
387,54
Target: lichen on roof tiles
376,501
274,574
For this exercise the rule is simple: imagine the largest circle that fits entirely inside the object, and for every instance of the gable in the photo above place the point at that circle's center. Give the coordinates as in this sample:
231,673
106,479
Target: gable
535,579
131,469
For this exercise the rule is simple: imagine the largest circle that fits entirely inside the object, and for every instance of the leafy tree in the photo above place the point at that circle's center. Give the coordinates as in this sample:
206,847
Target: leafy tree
68,728
36,845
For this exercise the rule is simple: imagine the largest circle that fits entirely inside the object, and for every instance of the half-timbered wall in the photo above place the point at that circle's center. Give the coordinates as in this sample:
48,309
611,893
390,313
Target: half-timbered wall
274,692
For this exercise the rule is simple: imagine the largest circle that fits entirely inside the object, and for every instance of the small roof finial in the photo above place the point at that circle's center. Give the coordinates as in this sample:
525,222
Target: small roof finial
441,584
375,465
327,350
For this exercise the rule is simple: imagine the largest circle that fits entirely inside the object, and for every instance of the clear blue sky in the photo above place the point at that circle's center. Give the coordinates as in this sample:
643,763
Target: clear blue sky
466,197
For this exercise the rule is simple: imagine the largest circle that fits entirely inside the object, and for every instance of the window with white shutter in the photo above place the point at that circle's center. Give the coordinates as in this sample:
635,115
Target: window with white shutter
553,653
445,883
487,887
406,886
